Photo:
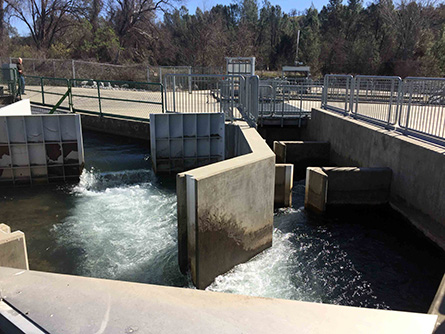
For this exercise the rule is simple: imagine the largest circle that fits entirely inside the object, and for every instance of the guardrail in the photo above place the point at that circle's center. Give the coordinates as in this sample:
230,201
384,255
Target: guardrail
376,99
337,92
414,106
278,98
200,93
120,99
423,107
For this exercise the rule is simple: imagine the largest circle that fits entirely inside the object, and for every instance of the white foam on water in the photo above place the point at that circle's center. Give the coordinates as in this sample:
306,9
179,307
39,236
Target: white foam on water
121,226
301,265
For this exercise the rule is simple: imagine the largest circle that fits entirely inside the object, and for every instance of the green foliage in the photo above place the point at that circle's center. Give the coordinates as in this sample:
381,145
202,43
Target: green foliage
344,37
59,50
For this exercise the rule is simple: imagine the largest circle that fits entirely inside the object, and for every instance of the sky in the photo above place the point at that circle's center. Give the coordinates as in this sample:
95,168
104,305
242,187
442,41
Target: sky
286,6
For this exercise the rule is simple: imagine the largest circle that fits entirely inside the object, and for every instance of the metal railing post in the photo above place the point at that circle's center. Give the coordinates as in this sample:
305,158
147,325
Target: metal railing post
41,87
355,94
98,95
162,97
390,104
174,94
70,97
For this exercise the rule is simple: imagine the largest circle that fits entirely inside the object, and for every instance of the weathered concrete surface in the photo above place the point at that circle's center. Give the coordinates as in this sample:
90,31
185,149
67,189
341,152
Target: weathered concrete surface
417,186
181,205
302,154
115,126
353,185
71,304
438,307
316,190
346,185
229,208
13,248
284,180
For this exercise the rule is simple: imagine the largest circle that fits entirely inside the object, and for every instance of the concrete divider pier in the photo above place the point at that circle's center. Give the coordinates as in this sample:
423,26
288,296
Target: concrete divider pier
346,185
302,154
225,210
13,248
284,180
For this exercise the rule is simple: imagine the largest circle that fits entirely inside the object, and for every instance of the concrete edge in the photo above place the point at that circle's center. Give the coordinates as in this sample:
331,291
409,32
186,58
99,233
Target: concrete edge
260,151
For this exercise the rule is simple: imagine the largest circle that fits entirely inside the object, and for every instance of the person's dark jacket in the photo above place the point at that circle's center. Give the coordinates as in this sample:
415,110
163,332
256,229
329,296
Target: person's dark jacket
20,69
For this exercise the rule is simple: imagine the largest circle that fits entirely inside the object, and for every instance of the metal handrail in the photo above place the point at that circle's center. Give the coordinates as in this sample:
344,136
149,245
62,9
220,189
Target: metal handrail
72,103
415,106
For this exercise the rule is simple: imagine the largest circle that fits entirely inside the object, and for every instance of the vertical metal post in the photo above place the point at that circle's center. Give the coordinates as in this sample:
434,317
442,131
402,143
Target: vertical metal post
190,79
148,73
160,74
74,68
41,87
409,105
162,98
390,104
301,105
352,92
346,96
232,99
174,93
70,99
355,93
98,96
324,93
54,68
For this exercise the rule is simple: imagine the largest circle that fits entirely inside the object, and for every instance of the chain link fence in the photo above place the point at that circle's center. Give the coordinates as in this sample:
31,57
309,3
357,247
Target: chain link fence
80,69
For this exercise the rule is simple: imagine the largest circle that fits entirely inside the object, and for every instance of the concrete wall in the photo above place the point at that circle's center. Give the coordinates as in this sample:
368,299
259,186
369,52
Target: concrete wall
74,304
346,186
229,206
13,248
417,186
302,154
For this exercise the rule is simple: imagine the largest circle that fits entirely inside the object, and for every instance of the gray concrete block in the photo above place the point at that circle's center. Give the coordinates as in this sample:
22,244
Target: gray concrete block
284,179
316,191
302,154
279,148
13,248
353,185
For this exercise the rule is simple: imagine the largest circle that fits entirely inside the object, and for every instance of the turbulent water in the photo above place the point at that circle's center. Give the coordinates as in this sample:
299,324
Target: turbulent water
305,263
123,226
119,222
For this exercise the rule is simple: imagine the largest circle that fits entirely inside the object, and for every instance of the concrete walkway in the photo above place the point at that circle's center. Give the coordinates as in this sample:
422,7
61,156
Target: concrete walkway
72,304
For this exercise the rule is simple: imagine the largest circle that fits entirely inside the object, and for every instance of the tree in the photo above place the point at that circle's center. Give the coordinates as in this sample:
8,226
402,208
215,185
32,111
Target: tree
45,19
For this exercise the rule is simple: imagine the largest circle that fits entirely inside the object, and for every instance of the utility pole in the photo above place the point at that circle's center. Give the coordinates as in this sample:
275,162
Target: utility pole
298,44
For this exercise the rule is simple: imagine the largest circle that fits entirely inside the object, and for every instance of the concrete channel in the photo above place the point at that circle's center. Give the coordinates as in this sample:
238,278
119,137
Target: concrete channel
212,241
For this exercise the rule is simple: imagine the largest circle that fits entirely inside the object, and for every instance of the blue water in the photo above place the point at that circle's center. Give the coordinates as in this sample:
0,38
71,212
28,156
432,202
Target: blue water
119,222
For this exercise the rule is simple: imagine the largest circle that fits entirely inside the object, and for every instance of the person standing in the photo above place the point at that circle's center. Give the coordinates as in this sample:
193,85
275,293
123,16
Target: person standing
20,69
